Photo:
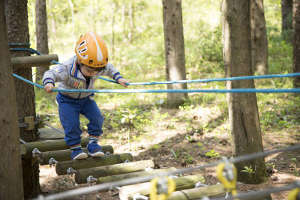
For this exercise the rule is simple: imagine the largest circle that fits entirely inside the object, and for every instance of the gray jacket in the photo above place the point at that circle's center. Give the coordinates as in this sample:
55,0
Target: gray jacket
68,76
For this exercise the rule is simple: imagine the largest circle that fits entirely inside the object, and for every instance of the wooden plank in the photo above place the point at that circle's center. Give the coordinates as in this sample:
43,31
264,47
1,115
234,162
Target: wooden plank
61,167
123,168
48,145
119,177
31,61
64,155
184,182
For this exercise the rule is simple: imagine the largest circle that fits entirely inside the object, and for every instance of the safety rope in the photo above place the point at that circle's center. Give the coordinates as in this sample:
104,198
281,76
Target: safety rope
236,90
131,181
262,193
211,80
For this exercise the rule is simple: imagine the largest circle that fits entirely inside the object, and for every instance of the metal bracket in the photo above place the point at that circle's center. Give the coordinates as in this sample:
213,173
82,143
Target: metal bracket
28,123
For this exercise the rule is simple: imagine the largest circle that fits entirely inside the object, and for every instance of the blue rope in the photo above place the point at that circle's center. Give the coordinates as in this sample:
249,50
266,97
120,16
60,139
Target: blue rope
32,51
211,80
238,90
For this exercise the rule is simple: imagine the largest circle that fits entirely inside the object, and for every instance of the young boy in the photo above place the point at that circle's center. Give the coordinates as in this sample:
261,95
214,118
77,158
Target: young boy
80,72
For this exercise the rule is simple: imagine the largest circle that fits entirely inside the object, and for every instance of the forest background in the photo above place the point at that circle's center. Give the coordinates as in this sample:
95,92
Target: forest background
134,35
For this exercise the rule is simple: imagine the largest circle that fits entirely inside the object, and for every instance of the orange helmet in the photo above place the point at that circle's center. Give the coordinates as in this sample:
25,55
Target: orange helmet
91,50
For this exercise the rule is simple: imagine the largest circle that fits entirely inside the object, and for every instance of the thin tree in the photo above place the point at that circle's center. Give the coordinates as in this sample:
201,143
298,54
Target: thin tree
296,49
259,40
243,111
18,32
287,20
11,186
174,50
41,33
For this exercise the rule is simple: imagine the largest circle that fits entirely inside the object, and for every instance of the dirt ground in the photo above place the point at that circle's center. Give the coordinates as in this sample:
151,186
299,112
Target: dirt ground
175,147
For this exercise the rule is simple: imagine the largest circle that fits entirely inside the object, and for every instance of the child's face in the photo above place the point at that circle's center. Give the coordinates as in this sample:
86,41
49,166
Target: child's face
89,71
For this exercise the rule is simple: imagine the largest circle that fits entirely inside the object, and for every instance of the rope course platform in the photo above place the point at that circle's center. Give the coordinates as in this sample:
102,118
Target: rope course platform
138,179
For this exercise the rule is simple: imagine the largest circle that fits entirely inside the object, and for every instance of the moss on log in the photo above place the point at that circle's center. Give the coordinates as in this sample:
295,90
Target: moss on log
123,168
61,167
184,182
113,178
64,155
50,145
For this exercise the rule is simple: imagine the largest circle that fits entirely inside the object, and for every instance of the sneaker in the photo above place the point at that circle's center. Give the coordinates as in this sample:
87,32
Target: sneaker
78,154
95,150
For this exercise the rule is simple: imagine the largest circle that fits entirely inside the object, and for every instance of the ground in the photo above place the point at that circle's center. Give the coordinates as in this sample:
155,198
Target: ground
171,146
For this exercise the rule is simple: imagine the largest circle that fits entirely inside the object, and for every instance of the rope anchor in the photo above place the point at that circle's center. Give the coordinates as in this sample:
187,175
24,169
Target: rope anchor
227,175
161,188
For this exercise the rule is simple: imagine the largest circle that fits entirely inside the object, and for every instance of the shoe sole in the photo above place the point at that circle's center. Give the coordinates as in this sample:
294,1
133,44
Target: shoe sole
97,154
80,156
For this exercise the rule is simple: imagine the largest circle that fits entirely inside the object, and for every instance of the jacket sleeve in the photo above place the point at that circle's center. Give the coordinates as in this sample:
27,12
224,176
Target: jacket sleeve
56,74
112,72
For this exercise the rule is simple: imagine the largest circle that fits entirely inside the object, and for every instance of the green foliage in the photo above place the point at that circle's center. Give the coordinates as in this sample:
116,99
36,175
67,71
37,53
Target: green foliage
248,170
212,154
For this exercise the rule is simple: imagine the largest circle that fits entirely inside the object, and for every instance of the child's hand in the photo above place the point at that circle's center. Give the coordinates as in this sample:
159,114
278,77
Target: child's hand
123,82
48,87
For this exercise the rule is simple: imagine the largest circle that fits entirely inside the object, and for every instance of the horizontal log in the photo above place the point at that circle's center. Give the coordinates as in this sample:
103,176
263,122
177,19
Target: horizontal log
36,61
197,193
123,168
61,167
50,145
64,155
184,182
113,178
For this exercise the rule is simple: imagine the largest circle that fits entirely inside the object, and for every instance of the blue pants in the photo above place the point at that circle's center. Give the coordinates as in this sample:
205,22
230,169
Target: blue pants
69,111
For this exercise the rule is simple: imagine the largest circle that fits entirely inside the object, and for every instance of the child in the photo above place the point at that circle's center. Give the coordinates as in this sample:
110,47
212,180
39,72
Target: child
80,72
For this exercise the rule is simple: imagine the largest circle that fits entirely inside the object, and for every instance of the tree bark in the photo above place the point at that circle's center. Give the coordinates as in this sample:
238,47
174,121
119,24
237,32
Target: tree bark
243,111
174,50
287,20
17,28
259,40
41,34
11,186
296,49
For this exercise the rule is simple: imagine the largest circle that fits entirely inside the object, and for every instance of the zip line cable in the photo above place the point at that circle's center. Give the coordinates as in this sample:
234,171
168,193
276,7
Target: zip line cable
236,90
112,185
261,193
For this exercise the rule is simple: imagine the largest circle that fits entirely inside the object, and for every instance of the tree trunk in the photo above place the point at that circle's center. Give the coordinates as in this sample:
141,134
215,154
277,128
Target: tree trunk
243,111
41,34
259,40
296,50
287,19
17,28
174,50
11,186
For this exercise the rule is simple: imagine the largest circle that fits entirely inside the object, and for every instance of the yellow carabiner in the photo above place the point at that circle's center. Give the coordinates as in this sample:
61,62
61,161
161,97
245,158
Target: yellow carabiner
294,194
161,188
228,180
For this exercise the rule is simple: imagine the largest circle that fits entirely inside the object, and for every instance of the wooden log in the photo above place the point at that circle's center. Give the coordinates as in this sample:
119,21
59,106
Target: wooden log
123,168
197,193
113,178
64,155
30,61
184,182
61,167
50,145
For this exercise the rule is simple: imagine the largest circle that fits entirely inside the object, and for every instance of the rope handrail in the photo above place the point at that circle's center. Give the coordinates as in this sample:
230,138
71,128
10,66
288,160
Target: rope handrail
210,80
236,90
130,181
